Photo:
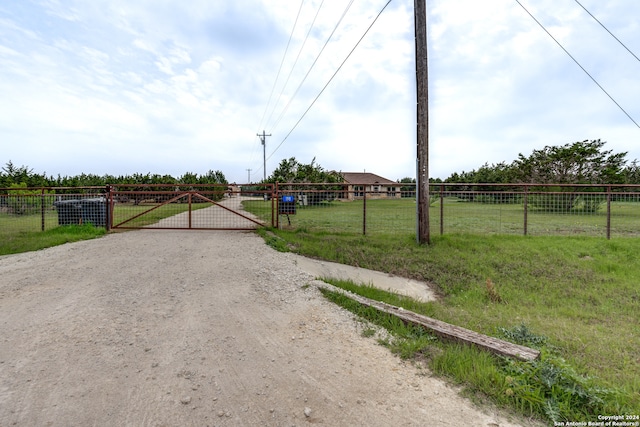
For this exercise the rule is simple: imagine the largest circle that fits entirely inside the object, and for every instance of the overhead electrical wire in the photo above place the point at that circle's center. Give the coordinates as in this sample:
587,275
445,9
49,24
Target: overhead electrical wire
602,25
296,61
344,13
275,82
331,79
281,63
578,63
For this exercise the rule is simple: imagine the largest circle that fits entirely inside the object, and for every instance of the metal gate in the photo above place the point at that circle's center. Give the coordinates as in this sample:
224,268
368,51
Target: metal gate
194,207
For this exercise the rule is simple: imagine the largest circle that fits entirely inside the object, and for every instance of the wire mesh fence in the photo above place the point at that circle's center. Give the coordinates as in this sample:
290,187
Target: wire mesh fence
606,211
195,207
40,209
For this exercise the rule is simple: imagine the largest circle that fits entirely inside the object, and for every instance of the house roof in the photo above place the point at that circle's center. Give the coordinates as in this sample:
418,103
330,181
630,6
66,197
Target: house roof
365,178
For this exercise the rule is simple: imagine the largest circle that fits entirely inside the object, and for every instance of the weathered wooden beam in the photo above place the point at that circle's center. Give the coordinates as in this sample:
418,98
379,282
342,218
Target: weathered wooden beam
442,329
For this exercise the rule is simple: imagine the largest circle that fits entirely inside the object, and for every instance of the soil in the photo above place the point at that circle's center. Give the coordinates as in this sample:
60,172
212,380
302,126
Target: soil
198,328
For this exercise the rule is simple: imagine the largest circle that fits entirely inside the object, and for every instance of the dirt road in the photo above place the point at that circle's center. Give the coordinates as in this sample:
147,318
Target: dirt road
179,328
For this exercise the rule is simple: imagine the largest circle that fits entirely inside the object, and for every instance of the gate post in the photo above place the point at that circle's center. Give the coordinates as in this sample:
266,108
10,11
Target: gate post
275,190
42,208
108,206
189,209
275,193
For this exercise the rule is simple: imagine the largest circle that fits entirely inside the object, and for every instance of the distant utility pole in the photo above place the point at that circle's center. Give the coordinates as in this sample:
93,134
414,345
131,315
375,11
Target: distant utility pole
263,138
249,176
422,88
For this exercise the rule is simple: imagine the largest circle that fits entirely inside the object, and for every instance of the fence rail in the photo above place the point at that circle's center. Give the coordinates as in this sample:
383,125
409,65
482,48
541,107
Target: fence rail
525,209
488,208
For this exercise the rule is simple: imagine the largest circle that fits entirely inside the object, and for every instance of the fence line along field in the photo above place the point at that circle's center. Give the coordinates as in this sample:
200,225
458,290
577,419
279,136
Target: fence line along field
602,211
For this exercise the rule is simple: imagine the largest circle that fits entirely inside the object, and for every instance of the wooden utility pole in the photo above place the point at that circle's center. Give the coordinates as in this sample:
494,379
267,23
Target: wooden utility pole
263,138
422,89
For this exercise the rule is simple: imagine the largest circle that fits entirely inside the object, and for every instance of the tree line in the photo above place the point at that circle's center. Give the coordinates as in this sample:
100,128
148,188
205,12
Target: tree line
585,162
12,176
559,168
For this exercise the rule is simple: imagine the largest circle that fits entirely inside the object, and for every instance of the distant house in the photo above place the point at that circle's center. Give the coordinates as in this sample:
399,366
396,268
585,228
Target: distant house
376,187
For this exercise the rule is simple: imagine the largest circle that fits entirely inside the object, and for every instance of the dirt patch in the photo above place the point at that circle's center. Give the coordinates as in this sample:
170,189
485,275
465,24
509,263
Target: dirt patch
179,328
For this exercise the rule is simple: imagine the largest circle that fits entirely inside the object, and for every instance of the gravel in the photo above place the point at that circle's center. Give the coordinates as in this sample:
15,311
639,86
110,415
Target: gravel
207,328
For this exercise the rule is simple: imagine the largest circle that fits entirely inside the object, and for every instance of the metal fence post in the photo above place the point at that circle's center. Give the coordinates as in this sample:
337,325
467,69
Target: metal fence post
275,195
526,210
608,212
108,206
190,208
364,211
441,209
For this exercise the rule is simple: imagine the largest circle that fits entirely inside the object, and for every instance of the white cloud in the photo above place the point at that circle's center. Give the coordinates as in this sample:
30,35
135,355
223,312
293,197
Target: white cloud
182,87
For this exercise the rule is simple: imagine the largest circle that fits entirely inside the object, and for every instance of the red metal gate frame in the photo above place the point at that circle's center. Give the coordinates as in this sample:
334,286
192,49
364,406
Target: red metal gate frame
190,194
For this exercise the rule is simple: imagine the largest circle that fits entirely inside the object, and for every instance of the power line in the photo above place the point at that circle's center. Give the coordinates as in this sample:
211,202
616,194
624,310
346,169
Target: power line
344,13
579,65
275,82
282,62
332,77
602,25
297,58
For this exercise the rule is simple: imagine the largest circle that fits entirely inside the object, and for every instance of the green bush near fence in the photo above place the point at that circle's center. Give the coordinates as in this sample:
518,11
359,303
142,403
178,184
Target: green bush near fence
566,203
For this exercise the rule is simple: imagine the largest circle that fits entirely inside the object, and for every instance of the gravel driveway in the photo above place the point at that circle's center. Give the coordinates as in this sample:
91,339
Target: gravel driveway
184,328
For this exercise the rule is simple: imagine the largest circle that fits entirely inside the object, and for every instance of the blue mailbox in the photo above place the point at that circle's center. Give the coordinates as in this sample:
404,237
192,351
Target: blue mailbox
287,205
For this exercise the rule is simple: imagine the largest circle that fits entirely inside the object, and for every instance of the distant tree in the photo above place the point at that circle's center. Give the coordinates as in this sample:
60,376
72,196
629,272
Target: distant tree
496,173
25,177
578,163
631,173
292,171
409,187
583,162
22,176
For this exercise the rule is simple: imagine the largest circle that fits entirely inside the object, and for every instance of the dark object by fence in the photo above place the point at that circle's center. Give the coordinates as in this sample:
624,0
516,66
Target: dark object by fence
69,212
82,211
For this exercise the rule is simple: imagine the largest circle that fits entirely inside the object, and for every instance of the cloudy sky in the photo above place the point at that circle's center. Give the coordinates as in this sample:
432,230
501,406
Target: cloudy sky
135,86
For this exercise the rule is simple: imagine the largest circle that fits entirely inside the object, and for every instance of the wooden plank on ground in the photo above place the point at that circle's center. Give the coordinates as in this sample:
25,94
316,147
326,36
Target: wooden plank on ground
442,329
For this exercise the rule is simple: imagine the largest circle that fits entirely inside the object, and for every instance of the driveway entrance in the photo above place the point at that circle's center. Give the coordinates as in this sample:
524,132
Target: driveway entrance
203,208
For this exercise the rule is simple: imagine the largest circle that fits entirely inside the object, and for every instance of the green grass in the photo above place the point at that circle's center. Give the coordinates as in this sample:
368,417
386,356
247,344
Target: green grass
23,233
26,241
581,293
458,216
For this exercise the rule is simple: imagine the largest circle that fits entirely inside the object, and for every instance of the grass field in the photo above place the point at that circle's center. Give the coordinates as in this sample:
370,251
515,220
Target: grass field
580,293
24,240
22,233
458,216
